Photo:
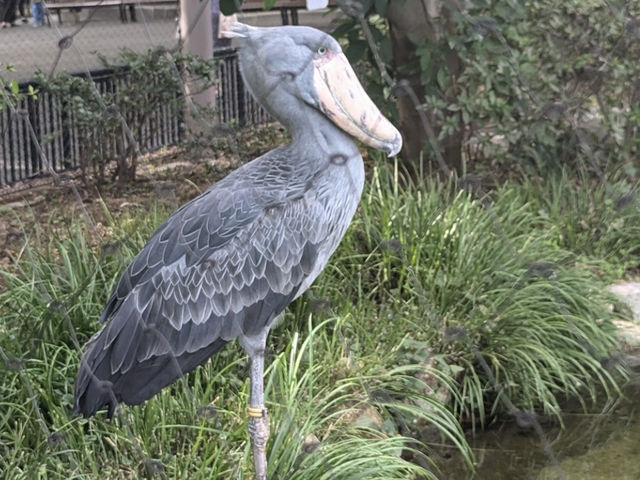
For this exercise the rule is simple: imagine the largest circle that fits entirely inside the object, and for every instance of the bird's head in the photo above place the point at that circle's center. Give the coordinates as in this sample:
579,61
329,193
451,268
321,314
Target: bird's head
282,64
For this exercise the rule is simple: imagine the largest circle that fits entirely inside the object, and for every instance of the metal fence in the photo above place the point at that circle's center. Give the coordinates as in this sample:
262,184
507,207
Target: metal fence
235,105
58,136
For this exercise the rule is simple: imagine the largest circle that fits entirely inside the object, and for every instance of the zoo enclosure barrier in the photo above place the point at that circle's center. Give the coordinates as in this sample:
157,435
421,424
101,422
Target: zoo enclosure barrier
58,135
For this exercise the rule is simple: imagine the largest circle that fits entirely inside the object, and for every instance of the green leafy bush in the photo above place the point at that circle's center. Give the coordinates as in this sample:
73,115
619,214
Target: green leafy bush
117,122
10,94
520,86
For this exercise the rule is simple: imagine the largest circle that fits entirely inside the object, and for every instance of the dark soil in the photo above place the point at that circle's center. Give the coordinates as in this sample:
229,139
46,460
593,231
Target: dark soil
169,177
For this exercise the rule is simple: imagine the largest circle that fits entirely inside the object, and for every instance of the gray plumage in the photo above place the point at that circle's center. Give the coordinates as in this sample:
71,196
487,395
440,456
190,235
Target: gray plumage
227,263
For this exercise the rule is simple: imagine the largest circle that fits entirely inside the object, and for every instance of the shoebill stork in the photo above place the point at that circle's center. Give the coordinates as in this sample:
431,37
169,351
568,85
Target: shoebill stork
227,263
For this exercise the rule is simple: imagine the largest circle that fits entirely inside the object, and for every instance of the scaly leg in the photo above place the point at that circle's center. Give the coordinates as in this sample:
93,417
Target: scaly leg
258,420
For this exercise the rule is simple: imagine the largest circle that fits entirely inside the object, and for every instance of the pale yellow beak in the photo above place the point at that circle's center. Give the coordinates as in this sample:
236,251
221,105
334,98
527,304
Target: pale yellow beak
345,102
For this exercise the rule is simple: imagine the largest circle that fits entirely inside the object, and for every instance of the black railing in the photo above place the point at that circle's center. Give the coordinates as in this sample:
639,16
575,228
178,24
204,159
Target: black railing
234,103
43,122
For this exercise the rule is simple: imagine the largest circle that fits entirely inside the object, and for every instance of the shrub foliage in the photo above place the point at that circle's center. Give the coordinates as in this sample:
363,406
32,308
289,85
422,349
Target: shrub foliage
117,122
530,86
442,306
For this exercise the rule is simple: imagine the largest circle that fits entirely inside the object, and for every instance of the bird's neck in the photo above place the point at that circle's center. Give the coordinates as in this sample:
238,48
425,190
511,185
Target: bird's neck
315,137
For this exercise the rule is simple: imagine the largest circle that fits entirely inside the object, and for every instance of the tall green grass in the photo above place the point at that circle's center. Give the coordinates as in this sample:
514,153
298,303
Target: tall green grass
317,386
440,307
492,288
593,219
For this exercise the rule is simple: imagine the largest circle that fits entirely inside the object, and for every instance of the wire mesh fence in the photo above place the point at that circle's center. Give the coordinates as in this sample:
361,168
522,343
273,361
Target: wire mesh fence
60,134
60,137
97,29
96,38
98,33
276,220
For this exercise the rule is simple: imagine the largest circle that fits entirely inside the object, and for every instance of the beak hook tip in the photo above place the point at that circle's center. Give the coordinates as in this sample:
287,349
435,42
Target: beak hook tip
395,146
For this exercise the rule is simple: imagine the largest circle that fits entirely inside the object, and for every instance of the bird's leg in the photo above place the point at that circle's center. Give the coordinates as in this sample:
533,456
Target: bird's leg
258,420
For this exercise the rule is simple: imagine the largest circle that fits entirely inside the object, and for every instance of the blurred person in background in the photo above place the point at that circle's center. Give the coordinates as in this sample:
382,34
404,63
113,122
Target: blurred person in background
8,13
22,8
37,10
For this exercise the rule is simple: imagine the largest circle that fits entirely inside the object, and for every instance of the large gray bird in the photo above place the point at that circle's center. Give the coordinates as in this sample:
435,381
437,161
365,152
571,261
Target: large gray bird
227,263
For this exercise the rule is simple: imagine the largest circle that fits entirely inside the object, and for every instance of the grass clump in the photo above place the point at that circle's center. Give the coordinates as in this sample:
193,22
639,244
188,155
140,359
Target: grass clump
594,220
441,306
336,411
493,290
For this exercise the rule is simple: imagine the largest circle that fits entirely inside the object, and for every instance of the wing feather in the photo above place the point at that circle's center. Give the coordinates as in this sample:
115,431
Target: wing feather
247,263
225,264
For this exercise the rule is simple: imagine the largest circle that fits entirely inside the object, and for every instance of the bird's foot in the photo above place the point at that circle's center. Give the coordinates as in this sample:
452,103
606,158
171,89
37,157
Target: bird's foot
259,435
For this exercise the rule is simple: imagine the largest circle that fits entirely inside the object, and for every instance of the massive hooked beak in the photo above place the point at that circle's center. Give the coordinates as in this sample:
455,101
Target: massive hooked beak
345,102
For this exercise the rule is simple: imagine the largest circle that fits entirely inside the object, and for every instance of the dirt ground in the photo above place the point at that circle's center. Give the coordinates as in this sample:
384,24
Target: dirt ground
169,177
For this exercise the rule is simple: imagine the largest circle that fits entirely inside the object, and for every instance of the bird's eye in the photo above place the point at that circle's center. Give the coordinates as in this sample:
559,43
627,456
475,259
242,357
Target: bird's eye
322,50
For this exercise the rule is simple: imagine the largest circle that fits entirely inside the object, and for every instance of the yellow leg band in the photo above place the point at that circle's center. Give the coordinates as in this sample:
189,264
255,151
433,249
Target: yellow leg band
256,412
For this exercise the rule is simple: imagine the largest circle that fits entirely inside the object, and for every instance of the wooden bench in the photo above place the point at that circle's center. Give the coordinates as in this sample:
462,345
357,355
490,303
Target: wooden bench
288,8
122,5
132,4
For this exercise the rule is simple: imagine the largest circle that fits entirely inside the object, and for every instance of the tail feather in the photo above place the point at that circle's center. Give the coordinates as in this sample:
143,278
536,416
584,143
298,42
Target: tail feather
96,386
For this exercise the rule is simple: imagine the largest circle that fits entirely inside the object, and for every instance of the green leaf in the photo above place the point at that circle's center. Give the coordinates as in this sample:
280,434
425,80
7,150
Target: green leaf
442,78
376,33
355,51
385,50
366,5
343,29
227,7
425,59
381,7
268,4
15,88
414,39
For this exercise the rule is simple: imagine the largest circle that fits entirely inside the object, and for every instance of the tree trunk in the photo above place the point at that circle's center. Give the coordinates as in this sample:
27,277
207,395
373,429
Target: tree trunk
425,21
